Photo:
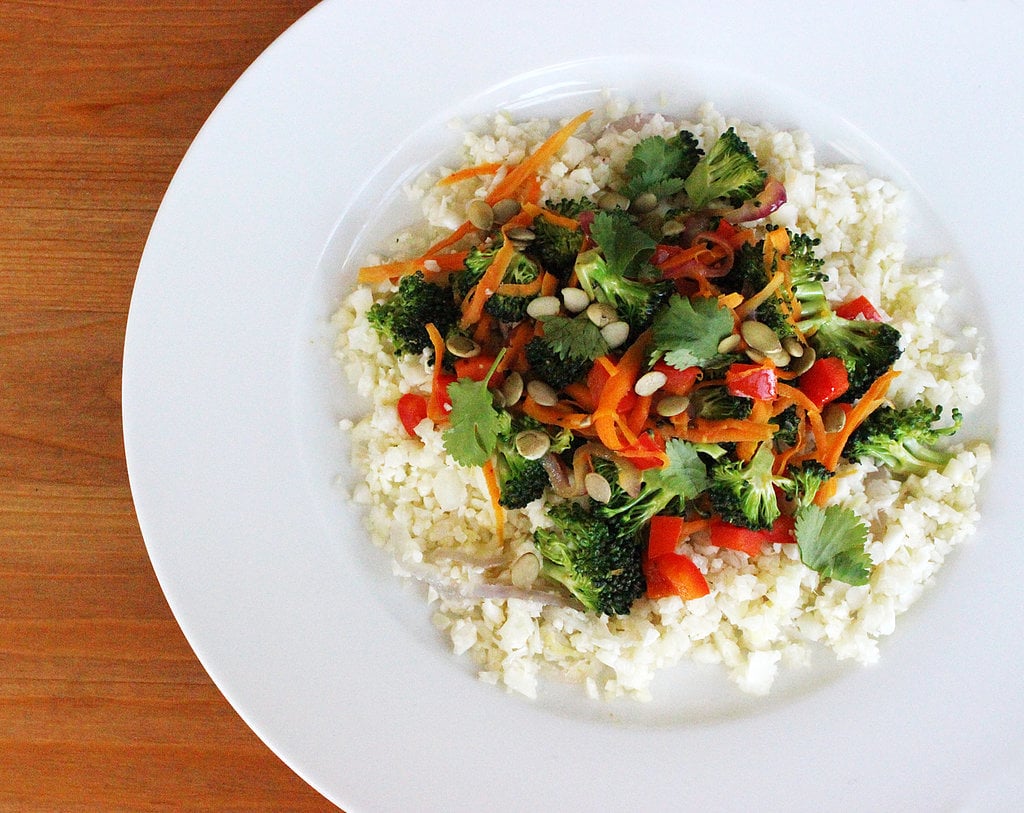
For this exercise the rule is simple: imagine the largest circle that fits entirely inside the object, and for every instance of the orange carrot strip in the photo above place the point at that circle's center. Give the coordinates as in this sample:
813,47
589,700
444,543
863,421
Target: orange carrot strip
520,289
752,303
727,430
560,415
473,305
607,420
826,491
810,408
548,284
581,394
760,412
731,301
510,184
435,403
866,404
517,341
488,168
494,492
451,239
639,414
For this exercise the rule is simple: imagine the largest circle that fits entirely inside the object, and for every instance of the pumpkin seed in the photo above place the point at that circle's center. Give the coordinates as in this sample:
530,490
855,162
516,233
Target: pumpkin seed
521,235
612,200
544,394
644,203
575,300
833,417
650,382
672,405
512,388
505,209
729,343
601,314
801,364
597,488
543,306
532,444
760,337
480,214
525,570
792,345
615,333
462,346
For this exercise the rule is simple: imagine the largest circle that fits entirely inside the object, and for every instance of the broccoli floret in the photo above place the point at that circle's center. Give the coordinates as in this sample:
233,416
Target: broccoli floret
521,270
600,568
729,170
635,302
743,493
555,246
804,482
520,480
717,403
403,317
806,276
868,349
551,367
788,422
906,440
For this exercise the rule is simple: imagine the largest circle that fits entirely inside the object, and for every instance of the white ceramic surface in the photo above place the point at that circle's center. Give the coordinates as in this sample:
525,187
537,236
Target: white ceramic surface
231,403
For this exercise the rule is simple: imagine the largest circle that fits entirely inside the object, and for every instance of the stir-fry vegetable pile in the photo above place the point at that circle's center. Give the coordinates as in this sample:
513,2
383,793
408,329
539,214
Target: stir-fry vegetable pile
658,365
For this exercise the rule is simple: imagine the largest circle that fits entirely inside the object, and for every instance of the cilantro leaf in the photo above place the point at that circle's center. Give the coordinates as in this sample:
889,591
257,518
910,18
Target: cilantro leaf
574,337
474,423
626,247
685,474
831,541
688,331
660,165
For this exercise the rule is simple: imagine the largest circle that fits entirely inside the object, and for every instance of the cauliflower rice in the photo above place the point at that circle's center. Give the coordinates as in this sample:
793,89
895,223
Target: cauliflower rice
435,518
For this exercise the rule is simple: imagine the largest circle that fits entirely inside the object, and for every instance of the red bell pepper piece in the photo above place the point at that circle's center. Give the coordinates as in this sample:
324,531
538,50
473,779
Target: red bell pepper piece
412,408
825,380
860,307
664,534
752,381
647,453
735,537
476,368
674,575
679,382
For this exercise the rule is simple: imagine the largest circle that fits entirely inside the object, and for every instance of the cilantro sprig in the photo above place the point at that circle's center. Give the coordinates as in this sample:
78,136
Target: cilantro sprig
831,541
688,331
660,165
475,424
574,337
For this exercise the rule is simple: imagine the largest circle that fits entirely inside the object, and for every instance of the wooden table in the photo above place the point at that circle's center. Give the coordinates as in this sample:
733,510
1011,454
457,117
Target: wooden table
103,706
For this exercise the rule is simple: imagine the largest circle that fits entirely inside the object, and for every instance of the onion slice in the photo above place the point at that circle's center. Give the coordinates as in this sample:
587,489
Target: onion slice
761,205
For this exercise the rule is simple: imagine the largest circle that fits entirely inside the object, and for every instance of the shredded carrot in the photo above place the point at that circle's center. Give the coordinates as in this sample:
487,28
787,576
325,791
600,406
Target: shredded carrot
517,341
726,430
435,403
730,301
760,413
581,394
561,415
488,168
520,289
509,185
473,305
866,404
826,491
450,240
494,492
753,302
548,284
811,410
609,424
700,253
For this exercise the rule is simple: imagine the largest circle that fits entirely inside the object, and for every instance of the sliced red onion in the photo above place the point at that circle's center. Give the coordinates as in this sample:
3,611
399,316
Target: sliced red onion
761,205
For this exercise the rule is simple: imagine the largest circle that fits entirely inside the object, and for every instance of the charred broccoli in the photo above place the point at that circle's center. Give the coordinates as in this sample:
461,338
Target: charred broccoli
402,318
599,567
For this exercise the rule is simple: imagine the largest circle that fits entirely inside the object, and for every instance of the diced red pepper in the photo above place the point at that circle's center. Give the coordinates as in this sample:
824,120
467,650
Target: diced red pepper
412,408
679,382
476,368
735,537
664,534
825,380
647,453
674,575
752,381
860,307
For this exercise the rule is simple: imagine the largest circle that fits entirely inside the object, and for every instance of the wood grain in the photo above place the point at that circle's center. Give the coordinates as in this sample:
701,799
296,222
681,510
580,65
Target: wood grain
103,706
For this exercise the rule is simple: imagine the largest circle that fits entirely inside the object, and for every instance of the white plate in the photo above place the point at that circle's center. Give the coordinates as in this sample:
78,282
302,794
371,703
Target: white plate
231,403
